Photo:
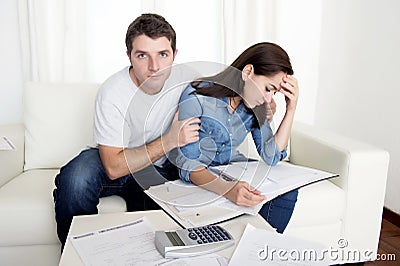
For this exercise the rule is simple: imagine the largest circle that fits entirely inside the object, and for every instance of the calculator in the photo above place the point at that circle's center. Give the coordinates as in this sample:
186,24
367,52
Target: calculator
192,241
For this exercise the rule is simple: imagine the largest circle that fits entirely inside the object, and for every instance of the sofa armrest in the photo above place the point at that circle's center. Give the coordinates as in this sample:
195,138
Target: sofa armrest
12,162
362,171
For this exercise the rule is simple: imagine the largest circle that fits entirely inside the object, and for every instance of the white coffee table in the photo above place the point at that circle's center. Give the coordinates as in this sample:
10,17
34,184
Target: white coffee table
88,223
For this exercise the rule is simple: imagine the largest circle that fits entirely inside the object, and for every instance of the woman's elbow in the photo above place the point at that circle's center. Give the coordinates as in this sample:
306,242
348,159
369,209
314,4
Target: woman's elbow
271,160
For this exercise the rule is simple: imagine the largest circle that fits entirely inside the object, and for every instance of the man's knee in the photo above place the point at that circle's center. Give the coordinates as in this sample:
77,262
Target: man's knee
79,176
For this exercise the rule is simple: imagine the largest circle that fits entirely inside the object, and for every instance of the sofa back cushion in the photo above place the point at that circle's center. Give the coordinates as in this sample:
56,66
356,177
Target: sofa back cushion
58,120
248,149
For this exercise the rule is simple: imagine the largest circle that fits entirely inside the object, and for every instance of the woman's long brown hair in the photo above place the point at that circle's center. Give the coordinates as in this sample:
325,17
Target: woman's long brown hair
267,59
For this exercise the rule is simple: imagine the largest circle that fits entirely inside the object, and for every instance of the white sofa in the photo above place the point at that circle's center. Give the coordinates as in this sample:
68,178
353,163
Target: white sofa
58,122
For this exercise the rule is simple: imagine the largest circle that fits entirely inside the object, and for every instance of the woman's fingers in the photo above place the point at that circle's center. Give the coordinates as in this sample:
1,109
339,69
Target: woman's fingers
248,196
290,88
292,81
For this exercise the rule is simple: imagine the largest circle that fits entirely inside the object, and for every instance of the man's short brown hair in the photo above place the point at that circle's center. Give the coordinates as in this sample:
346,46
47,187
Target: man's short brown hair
151,25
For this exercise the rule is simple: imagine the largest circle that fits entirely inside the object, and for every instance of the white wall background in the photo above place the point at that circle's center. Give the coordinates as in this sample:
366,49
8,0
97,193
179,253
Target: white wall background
345,55
10,65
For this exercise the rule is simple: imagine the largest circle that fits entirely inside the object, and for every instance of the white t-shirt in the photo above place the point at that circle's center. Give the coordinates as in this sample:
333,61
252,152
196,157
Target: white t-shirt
127,117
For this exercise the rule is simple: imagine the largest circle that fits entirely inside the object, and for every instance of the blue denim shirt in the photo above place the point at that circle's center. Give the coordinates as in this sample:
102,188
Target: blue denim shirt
221,132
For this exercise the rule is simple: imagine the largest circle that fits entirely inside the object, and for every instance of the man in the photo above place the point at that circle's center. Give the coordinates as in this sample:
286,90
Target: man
134,127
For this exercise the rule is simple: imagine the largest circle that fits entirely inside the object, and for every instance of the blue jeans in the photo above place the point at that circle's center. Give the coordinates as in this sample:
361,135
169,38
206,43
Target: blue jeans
83,181
278,211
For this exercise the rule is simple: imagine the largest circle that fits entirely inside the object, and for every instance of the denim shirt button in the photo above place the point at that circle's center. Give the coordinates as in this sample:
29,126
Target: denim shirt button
230,134
210,132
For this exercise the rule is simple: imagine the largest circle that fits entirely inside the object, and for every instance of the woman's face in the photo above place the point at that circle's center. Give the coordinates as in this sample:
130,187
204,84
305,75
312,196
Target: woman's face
259,89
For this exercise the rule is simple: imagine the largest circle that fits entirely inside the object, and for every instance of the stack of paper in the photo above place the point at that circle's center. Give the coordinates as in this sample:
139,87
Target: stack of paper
272,181
130,244
191,205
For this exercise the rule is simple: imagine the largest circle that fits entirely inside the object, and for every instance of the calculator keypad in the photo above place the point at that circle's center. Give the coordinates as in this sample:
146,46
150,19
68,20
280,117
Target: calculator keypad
208,234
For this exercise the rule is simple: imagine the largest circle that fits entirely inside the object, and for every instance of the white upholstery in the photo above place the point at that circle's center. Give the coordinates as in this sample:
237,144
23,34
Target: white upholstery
363,173
54,114
315,199
28,197
58,125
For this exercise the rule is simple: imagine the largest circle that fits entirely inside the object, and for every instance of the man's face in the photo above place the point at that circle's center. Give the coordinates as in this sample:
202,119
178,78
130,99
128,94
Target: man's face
151,61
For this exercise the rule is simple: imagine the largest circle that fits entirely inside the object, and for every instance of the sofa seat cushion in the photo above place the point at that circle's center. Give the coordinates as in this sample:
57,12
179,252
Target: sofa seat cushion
27,209
318,204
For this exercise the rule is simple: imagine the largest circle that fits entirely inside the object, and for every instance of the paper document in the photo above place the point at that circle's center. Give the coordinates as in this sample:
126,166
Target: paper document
271,181
130,244
192,205
262,247
127,244
209,260
6,144
184,197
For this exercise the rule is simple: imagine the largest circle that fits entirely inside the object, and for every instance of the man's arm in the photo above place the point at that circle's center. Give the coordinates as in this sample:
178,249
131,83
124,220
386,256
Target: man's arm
119,162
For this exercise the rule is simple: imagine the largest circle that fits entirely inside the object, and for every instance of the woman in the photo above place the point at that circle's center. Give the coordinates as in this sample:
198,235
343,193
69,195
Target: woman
231,104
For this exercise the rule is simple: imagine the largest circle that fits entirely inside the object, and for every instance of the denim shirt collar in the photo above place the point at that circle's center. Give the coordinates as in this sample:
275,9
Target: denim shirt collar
223,103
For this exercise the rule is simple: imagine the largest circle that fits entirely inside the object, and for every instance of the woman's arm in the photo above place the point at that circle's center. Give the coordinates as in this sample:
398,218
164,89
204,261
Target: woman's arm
188,157
289,88
272,148
239,192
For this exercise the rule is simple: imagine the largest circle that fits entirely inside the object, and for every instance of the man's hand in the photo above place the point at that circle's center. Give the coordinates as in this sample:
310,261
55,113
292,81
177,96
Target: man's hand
182,132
